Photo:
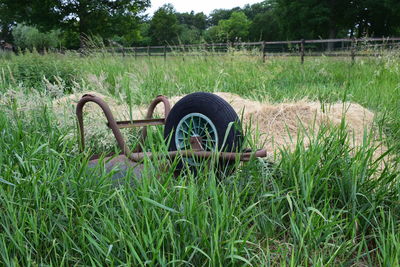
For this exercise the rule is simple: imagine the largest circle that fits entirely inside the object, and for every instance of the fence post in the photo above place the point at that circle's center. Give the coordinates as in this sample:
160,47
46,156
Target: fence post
353,50
263,52
148,51
302,50
165,52
232,48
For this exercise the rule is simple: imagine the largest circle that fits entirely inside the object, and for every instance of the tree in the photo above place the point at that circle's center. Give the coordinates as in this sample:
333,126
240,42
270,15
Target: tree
221,14
198,20
311,19
164,27
191,26
233,29
99,17
376,18
251,11
103,17
6,20
189,34
14,11
265,27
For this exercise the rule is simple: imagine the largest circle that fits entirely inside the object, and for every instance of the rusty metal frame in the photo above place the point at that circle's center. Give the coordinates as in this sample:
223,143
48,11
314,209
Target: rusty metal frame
137,154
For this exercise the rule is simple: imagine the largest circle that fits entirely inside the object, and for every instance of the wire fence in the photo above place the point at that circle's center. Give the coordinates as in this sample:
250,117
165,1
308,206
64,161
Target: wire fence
365,47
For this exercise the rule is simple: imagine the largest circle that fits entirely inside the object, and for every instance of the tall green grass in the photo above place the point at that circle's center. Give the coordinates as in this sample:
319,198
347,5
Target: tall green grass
325,204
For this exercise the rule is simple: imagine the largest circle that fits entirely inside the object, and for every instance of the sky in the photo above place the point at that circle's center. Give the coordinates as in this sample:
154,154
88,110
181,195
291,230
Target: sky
205,6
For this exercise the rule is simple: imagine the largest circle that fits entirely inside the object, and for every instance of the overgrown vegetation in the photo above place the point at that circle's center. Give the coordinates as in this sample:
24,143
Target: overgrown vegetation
33,70
326,204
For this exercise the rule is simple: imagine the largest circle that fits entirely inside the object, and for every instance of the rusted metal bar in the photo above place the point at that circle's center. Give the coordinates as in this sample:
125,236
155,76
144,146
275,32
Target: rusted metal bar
245,156
139,123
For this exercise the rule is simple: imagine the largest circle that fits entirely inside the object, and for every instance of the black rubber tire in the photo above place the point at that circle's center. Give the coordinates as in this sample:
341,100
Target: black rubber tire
216,109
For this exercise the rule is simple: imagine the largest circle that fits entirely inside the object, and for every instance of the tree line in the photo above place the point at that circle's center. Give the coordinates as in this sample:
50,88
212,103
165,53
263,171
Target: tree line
75,23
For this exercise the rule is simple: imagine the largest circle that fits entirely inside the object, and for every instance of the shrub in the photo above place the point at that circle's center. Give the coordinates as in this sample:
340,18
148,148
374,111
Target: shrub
35,70
28,37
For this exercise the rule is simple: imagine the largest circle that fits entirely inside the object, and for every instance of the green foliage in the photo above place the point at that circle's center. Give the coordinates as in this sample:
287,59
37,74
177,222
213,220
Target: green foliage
32,70
221,14
198,20
305,19
164,28
236,28
6,19
28,37
106,18
265,26
123,21
377,18
189,35
145,38
252,11
71,39
312,19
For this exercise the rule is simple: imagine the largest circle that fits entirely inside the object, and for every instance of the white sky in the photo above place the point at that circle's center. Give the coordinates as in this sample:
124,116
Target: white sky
205,6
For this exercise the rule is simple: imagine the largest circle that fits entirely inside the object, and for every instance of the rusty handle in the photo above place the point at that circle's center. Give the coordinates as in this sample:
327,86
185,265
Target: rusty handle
156,101
113,124
167,108
110,118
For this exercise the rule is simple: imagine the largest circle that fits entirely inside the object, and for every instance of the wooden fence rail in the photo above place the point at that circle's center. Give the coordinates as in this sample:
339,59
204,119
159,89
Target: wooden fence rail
348,47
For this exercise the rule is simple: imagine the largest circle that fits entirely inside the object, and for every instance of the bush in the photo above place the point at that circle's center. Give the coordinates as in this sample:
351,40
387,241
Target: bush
28,37
35,70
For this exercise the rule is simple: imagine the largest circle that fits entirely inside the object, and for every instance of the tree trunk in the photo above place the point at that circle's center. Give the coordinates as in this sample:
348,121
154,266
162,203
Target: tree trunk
82,34
82,25
332,35
332,24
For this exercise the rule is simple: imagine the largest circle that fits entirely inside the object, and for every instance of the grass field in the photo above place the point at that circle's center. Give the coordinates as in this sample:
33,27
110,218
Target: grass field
327,204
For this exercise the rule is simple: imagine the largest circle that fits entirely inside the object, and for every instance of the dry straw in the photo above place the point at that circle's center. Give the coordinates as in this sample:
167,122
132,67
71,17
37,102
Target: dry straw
276,125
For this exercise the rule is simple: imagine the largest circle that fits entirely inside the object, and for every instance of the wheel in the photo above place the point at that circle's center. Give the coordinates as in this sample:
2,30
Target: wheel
208,118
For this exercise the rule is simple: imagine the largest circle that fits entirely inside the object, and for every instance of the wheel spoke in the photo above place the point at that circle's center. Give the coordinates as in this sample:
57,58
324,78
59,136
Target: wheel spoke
199,125
203,128
182,130
188,125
